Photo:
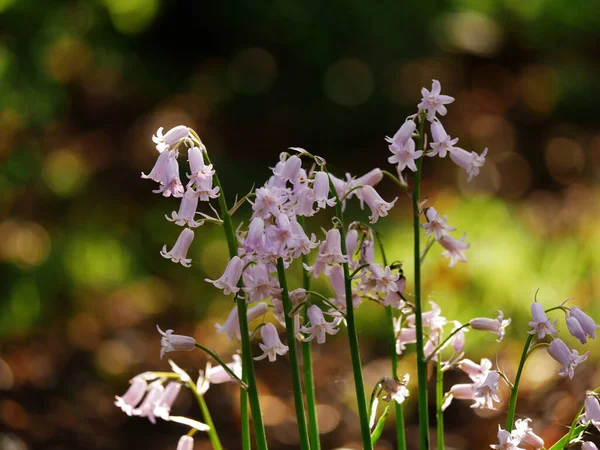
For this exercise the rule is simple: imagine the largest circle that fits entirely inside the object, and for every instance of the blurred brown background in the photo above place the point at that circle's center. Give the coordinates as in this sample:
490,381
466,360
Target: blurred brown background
85,84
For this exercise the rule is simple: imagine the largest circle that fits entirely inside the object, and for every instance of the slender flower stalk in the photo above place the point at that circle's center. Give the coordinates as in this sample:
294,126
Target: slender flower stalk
512,404
291,335
307,368
359,384
421,361
212,433
439,402
248,375
389,312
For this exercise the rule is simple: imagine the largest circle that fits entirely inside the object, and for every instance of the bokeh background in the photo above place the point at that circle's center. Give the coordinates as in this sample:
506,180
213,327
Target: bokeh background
85,84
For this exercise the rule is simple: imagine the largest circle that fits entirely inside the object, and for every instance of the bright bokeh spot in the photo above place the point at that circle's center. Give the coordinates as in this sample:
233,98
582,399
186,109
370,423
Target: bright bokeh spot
65,172
132,16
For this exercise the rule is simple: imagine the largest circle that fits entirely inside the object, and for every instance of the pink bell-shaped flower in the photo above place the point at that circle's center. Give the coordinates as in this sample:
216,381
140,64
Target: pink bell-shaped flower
175,342
231,276
128,401
178,253
272,345
187,210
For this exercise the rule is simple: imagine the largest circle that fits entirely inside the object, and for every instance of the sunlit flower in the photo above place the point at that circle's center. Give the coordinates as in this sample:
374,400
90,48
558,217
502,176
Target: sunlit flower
395,390
159,171
330,252
171,184
166,400
525,434
496,325
436,224
454,249
258,284
231,276
175,342
587,324
218,374
179,251
506,441
403,135
200,171
541,324
171,138
146,409
568,358
458,340
477,372
318,325
433,102
592,411
272,345
128,401
488,389
269,200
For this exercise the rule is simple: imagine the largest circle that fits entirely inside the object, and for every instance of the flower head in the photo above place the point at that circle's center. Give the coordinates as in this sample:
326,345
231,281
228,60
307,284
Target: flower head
231,327
146,409
436,224
587,324
592,411
171,138
471,162
442,143
231,276
488,389
395,390
454,249
272,345
433,102
175,342
187,210
496,325
506,441
164,403
405,156
568,358
318,325
178,253
541,324
403,135
379,207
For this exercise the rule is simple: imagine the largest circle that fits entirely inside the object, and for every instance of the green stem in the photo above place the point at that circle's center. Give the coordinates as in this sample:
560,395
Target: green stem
439,401
512,405
248,375
222,364
439,347
293,351
359,385
212,433
421,362
395,179
309,382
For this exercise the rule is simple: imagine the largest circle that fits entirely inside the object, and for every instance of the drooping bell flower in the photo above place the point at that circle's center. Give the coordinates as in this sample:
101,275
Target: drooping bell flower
395,390
146,409
166,400
588,326
496,325
488,389
175,342
471,162
592,411
128,401
454,249
199,170
378,206
506,441
159,171
178,253
403,135
541,324
436,224
171,138
231,327
231,276
525,434
255,239
318,325
569,359
187,210
171,184
321,190
271,345
185,443
258,284
290,170
442,143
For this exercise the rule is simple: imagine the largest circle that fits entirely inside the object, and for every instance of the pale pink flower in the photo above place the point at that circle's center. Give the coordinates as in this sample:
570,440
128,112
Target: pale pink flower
383,279
258,284
405,336
199,170
290,169
568,358
330,252
146,409
231,276
205,189
541,324
336,279
351,242
427,317
128,401
405,156
476,372
496,325
175,342
187,210
464,391
488,389
159,171
171,138
525,434
185,443
178,253
166,400
506,441
231,327
433,102
379,207
302,243
454,249
403,135
318,325
367,252
436,224
471,162
269,201
442,143
279,237
321,190
218,375
255,239
272,344
304,198
458,340
588,446
171,184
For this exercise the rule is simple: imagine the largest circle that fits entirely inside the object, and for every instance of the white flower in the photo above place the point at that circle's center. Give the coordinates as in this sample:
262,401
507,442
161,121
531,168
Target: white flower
403,135
179,251
436,224
506,441
185,443
171,138
321,190
272,344
488,389
396,391
471,162
146,409
218,374
379,207
433,102
442,143
164,403
525,434
476,372
171,184
290,169
175,342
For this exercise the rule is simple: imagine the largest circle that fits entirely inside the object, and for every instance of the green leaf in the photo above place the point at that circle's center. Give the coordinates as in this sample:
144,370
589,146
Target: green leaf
379,427
562,443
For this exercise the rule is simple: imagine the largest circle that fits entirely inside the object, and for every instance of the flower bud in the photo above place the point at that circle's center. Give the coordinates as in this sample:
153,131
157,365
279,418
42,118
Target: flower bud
185,443
175,342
